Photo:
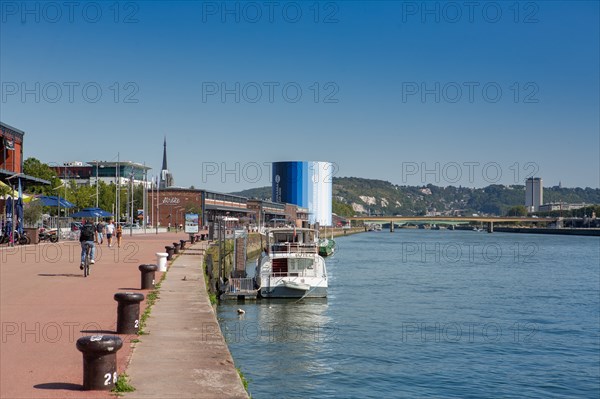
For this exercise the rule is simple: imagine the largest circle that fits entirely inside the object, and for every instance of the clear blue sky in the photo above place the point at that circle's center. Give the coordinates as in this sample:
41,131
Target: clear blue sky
379,86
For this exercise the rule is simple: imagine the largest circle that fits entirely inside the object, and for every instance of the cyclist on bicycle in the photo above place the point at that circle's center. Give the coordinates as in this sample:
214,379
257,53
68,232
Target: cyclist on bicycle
87,237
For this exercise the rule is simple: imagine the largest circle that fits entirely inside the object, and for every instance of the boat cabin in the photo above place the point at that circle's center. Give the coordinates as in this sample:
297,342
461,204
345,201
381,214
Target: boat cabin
292,241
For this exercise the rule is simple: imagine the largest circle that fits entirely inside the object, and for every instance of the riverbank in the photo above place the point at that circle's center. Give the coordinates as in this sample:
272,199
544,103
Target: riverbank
535,230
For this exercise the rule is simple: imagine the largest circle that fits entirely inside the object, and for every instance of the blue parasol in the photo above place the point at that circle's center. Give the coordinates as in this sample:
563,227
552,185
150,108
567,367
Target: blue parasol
52,200
9,213
19,209
91,213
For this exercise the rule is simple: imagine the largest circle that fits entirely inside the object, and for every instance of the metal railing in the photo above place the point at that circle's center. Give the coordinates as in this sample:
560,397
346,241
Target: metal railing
294,248
240,284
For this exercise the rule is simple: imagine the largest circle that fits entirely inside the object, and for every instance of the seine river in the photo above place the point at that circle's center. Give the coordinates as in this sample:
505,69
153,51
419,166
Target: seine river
440,314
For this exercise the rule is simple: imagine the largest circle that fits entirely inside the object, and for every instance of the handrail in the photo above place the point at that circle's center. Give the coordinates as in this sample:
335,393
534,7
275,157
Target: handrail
240,284
294,248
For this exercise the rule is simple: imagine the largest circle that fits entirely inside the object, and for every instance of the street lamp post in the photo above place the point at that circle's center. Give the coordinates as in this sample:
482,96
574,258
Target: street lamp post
157,205
96,184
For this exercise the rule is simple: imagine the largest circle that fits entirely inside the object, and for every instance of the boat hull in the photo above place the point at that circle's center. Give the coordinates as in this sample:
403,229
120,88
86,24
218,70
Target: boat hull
286,292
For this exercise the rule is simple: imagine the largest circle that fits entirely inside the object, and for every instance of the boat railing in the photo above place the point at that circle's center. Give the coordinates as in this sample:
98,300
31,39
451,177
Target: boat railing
240,284
290,247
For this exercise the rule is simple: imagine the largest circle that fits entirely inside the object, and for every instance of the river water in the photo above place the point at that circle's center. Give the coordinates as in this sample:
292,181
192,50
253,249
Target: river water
425,313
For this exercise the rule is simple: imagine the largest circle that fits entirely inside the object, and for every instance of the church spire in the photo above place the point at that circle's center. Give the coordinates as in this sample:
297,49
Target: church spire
166,178
164,164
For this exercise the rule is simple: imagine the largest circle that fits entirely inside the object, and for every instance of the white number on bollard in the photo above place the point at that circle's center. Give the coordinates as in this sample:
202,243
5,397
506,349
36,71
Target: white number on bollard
108,376
137,323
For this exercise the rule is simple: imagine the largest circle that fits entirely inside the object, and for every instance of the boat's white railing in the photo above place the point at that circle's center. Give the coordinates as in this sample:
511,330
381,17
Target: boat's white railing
240,284
293,247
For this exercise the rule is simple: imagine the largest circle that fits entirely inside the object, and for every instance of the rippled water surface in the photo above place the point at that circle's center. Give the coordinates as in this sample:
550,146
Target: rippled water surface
422,313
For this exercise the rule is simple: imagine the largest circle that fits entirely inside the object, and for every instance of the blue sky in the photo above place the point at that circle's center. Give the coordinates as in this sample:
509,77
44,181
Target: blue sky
409,92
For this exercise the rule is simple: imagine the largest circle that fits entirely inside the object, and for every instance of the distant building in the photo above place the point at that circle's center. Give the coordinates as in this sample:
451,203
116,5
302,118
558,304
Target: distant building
263,212
109,172
561,206
534,194
172,203
166,178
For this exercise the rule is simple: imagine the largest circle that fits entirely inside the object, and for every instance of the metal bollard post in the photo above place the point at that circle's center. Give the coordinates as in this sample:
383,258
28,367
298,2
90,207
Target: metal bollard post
182,244
192,238
99,361
176,247
147,275
170,251
128,312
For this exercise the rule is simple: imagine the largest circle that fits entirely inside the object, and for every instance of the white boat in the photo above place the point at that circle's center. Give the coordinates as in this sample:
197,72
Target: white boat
290,265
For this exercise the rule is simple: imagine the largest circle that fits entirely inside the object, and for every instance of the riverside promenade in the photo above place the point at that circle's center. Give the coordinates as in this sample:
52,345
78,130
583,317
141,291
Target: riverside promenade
184,354
46,305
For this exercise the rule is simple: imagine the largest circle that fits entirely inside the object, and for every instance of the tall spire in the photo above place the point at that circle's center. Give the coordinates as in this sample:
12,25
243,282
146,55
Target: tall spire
166,178
164,165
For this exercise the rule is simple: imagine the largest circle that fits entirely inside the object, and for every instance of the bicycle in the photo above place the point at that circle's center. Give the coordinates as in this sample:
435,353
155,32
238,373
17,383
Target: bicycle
87,259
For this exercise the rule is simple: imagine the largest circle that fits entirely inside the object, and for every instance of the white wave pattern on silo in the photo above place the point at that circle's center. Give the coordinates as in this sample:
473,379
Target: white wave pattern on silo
320,192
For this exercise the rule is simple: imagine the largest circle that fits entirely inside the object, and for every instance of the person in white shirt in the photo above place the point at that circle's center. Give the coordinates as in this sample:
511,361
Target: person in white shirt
110,229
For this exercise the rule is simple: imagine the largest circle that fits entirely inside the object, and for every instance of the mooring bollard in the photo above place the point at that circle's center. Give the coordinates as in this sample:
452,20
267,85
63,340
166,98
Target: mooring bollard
161,260
182,244
147,275
175,247
192,238
99,361
170,251
128,312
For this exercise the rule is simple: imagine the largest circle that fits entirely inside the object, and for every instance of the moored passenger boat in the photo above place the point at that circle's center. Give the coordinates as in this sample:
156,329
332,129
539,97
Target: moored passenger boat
290,265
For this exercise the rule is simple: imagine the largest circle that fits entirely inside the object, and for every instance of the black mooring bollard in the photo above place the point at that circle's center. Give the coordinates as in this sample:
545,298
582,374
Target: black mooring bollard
170,251
128,312
175,247
147,275
182,244
192,238
99,361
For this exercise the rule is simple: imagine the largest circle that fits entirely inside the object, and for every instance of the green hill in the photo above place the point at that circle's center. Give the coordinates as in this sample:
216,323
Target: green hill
378,197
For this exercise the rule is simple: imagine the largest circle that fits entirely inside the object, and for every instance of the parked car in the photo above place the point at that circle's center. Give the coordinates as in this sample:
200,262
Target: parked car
76,226
131,226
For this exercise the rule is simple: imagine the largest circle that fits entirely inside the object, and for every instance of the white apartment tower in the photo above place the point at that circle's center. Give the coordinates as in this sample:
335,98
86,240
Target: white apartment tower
534,194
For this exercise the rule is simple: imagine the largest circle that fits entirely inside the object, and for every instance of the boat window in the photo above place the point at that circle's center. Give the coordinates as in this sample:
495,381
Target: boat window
299,264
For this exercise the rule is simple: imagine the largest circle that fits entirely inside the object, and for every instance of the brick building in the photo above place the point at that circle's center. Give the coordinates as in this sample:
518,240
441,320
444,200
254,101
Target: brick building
11,157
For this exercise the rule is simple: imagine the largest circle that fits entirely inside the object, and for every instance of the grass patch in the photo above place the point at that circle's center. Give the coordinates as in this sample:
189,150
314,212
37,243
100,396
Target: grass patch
150,300
243,378
122,384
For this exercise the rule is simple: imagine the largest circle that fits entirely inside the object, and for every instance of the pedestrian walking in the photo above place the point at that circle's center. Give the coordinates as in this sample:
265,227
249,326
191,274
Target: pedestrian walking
100,232
110,230
119,234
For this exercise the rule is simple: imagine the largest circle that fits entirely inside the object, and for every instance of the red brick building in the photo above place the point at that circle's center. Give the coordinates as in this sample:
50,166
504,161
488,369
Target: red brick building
172,205
11,154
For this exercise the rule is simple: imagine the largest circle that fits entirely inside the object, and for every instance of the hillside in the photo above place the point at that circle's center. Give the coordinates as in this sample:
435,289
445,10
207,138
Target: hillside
368,196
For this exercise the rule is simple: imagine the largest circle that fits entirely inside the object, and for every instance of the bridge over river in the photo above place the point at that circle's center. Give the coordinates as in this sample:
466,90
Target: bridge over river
451,220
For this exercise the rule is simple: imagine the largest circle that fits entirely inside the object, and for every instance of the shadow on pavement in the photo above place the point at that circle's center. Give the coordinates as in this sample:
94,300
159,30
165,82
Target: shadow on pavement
97,332
61,275
131,289
60,385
